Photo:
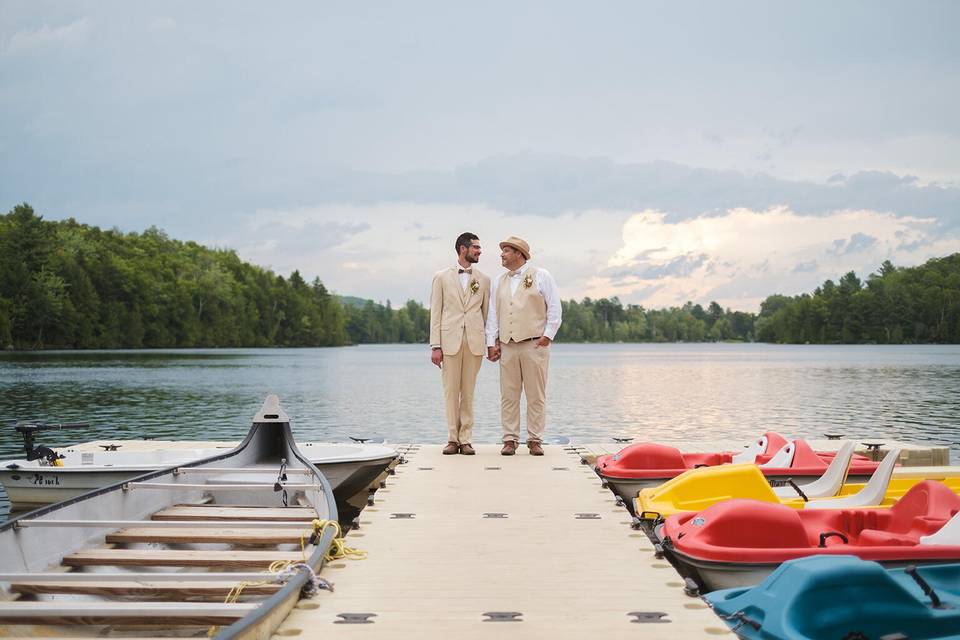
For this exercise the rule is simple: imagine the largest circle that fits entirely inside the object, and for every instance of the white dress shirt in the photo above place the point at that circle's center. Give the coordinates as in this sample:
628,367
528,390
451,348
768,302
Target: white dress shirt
465,276
547,287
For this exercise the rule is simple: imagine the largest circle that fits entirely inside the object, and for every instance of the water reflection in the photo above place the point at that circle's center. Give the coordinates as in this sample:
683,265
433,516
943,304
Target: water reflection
647,391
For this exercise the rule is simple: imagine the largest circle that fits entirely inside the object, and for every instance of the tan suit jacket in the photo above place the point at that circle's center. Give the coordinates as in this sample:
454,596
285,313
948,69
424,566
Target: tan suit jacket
454,311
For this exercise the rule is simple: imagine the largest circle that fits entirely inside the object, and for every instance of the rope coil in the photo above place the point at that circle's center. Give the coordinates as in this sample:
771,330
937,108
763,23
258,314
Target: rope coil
285,570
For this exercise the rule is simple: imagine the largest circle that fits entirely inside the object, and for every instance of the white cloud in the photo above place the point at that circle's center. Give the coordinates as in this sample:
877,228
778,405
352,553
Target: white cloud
743,256
74,33
391,250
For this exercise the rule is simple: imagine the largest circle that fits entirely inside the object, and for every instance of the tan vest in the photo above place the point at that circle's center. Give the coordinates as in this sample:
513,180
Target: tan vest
523,315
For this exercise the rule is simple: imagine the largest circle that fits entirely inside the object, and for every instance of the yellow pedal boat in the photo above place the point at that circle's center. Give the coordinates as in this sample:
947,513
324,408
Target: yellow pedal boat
697,489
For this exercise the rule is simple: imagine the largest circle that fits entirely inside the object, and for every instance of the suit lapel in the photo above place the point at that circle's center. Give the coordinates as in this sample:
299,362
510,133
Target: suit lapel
455,277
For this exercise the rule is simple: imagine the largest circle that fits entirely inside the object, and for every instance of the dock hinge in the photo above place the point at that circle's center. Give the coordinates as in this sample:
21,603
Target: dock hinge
649,616
355,618
503,616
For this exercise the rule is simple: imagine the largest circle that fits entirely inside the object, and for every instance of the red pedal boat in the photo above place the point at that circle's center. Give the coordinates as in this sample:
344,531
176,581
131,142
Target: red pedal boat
647,464
738,542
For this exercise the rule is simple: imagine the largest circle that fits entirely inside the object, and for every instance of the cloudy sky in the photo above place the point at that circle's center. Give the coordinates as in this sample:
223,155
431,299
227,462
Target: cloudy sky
657,151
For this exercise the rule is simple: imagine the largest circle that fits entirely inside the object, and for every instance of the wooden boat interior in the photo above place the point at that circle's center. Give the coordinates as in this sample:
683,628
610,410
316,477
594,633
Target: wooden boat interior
228,541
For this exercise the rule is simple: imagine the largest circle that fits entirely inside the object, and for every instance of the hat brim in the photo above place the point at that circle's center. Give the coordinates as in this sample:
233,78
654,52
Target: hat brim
524,252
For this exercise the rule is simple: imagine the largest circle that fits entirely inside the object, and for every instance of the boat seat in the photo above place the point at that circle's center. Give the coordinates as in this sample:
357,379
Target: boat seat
782,458
829,484
219,512
949,533
752,450
877,538
235,559
141,588
872,493
225,535
86,613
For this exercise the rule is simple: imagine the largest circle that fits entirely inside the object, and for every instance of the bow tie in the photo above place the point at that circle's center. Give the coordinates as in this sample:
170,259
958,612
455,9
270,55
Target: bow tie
470,270
514,274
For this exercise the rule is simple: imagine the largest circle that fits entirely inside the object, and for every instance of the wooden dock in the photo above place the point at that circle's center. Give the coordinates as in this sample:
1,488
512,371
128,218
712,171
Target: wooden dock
489,546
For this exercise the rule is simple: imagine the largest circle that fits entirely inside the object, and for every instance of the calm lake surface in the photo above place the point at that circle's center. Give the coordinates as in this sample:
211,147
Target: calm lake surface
675,391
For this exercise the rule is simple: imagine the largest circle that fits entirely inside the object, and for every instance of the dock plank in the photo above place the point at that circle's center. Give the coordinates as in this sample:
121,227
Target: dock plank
436,573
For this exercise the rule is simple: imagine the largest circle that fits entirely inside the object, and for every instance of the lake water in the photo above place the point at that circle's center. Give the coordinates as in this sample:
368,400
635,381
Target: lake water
652,392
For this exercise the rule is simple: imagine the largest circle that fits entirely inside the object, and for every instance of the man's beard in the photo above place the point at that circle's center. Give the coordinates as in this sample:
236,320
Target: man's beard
472,259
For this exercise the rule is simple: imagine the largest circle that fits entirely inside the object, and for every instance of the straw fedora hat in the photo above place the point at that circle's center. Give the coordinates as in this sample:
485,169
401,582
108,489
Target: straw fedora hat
517,243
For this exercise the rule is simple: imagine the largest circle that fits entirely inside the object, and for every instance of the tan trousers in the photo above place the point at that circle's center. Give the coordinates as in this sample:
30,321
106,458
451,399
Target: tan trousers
523,367
459,374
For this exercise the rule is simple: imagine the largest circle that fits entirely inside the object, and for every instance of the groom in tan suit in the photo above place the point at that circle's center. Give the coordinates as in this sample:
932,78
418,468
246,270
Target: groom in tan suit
458,309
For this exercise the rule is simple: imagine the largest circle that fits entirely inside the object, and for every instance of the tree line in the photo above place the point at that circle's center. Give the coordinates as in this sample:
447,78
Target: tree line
895,305
68,285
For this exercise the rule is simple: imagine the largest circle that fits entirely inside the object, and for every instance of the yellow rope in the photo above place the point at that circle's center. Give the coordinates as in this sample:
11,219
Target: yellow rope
337,549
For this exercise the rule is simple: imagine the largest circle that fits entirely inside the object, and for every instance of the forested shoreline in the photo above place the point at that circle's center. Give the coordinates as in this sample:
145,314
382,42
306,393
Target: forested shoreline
67,285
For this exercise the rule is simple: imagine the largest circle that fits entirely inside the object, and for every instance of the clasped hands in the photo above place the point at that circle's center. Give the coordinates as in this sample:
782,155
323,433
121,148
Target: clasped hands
493,353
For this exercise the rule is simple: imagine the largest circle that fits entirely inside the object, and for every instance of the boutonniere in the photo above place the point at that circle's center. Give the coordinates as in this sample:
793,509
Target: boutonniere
474,286
527,281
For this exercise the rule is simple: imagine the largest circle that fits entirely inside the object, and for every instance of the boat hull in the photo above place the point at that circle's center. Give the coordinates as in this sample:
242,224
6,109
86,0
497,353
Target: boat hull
35,487
173,525
711,576
628,488
739,542
842,597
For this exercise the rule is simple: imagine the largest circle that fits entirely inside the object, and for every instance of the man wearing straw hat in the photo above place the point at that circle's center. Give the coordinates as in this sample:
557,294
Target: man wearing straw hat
523,318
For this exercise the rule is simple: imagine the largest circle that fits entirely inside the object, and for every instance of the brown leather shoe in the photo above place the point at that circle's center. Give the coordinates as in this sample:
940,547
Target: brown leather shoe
509,448
467,449
452,448
536,449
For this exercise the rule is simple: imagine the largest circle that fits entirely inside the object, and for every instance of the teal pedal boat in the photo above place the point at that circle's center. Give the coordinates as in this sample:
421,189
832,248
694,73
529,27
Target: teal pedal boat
838,597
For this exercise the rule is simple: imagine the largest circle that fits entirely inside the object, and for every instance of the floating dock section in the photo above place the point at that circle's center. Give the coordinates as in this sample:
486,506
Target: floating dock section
492,546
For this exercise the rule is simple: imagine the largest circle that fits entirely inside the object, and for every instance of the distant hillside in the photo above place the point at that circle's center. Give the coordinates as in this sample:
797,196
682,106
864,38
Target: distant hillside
353,301
69,285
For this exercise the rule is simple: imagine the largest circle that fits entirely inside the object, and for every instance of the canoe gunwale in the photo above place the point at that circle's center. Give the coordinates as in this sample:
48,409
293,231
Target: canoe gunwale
247,625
